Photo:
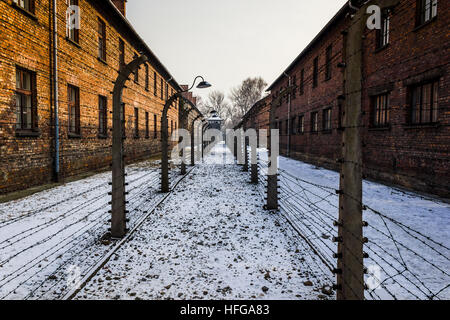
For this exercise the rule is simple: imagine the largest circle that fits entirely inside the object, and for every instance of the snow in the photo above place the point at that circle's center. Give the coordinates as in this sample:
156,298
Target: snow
409,265
57,233
211,239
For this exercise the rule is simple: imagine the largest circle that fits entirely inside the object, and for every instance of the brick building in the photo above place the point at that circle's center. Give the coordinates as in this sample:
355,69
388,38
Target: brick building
88,61
405,97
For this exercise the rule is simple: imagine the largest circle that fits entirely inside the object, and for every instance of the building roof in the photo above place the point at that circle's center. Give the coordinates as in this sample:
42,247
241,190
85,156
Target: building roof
339,15
108,8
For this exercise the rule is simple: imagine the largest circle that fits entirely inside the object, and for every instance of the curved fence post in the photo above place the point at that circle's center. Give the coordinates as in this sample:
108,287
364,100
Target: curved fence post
118,212
183,120
193,140
165,143
204,128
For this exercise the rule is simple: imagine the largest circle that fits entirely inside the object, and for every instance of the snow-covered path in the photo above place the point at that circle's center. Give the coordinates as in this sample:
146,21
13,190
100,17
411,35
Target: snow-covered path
211,239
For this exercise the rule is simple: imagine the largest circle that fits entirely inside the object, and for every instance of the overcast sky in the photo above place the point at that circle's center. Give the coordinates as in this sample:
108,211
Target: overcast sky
227,41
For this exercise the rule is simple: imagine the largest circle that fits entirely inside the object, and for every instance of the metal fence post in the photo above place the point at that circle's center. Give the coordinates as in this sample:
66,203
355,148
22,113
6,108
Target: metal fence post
254,165
165,143
118,212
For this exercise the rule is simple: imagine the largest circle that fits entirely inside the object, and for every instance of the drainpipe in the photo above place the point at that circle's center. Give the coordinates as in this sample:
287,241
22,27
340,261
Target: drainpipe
289,116
55,91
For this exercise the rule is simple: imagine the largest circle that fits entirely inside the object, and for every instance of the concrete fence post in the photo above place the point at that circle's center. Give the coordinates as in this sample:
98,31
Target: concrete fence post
118,210
254,165
246,140
193,131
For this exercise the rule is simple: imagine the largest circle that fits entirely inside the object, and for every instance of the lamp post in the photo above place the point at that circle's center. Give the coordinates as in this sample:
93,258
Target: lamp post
164,132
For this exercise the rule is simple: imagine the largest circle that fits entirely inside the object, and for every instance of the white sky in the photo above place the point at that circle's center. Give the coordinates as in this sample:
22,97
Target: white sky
227,41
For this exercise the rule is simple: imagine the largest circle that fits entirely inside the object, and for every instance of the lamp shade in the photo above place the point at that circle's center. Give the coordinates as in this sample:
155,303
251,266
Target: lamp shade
203,85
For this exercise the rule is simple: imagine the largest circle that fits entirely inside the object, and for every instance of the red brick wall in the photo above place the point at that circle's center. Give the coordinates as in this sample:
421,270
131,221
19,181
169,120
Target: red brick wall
24,42
416,157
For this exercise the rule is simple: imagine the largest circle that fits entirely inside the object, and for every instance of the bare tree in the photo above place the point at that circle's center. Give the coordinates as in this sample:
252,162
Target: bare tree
244,97
216,100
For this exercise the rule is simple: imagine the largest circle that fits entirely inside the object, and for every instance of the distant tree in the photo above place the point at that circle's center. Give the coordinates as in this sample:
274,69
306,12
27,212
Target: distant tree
215,102
244,97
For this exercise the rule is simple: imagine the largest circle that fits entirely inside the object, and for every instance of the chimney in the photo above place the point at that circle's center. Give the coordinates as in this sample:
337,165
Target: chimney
121,5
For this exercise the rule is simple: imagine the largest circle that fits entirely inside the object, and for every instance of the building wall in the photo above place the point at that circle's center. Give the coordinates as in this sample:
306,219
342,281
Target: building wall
25,42
413,156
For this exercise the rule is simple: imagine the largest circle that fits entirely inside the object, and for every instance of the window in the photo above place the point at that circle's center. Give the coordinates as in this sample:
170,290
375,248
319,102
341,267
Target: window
162,88
171,126
25,100
424,103
280,128
426,10
167,92
315,72
147,126
102,116
155,126
27,5
302,82
155,84
314,122
328,58
380,110
294,83
383,33
301,124
121,53
136,122
136,73
146,78
101,40
73,34
74,109
327,119
293,131
287,127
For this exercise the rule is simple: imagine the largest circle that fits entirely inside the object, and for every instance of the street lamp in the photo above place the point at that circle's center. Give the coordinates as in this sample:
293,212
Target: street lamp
165,135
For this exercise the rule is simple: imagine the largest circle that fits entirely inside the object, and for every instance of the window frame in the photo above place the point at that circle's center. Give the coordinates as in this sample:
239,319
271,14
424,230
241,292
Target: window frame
101,39
24,95
121,53
302,82
314,122
102,116
136,122
73,34
383,35
155,126
31,6
327,124
433,102
74,129
380,111
301,124
147,78
315,72
421,12
136,72
147,125
328,62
